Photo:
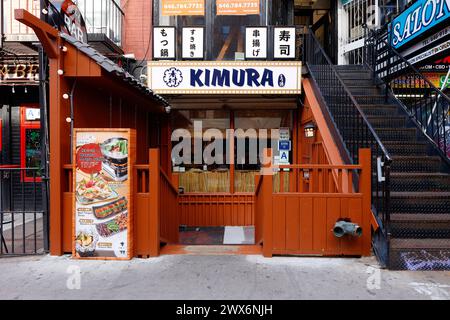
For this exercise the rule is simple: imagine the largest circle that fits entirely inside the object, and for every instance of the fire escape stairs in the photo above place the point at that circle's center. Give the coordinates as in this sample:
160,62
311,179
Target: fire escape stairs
419,183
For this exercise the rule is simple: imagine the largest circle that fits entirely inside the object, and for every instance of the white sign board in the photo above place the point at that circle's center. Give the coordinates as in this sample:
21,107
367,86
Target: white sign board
224,77
255,43
32,114
284,157
284,42
193,43
164,43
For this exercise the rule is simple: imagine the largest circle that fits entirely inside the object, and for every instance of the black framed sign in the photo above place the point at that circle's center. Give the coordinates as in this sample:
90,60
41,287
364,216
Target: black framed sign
193,43
284,39
256,39
164,43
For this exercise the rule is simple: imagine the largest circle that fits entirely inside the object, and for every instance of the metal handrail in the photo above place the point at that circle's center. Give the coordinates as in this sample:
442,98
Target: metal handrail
389,65
352,98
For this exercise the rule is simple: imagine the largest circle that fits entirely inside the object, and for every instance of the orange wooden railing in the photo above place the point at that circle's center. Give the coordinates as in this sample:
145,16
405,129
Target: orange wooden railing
298,220
156,216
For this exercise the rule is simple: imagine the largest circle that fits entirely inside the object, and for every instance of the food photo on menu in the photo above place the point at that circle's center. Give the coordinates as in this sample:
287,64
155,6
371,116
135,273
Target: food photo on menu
101,196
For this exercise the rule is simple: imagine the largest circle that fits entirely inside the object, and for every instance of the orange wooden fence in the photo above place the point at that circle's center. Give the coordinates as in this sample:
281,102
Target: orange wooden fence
156,216
300,222
217,209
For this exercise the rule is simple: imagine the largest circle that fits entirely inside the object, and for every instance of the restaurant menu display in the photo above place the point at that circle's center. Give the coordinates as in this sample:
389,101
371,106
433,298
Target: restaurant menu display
102,194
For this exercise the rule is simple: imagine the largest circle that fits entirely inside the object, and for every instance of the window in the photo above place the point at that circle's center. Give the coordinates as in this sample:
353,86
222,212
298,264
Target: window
224,32
30,142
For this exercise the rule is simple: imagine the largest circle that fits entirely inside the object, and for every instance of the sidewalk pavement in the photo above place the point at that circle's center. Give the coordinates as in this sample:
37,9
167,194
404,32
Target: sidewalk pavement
215,277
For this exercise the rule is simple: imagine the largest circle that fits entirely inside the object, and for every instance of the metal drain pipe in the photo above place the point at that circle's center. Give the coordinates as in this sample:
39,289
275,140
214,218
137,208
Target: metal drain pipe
341,228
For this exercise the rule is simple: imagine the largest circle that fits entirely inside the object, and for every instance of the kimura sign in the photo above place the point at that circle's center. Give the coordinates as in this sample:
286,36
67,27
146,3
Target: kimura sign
219,77
422,16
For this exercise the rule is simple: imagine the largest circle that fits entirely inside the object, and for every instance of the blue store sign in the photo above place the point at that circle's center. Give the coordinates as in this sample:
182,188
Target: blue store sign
422,16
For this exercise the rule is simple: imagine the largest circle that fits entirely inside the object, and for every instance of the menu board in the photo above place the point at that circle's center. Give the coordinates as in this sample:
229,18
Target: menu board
183,7
103,212
237,7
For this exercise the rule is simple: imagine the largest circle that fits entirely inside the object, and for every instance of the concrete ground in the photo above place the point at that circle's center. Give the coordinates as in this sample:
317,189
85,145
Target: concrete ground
214,277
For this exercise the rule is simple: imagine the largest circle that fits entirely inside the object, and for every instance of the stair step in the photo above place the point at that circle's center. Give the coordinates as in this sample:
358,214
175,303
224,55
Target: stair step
420,226
382,121
415,164
420,202
362,89
396,134
419,254
362,82
370,98
386,110
355,75
407,148
350,67
424,182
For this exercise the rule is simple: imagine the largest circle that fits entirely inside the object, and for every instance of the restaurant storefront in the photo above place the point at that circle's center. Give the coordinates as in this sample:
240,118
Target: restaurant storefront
233,139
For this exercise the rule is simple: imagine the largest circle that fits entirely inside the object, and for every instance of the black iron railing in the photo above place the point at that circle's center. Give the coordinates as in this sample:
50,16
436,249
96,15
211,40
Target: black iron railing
427,106
355,130
23,223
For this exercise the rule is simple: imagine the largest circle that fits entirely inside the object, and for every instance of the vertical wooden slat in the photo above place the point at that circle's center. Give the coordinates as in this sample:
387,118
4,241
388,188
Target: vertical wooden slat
154,202
279,223
319,225
306,225
292,224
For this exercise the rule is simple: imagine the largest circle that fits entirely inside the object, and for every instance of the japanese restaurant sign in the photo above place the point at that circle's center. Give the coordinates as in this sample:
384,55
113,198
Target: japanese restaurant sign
256,43
225,77
284,42
164,43
183,7
237,7
103,212
193,43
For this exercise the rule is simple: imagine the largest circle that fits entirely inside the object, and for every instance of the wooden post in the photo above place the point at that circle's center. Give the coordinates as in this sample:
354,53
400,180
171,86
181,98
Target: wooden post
153,203
365,188
267,189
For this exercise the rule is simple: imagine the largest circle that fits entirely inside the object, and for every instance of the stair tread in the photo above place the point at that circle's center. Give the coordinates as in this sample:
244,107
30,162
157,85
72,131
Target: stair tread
419,174
420,194
428,217
435,158
410,243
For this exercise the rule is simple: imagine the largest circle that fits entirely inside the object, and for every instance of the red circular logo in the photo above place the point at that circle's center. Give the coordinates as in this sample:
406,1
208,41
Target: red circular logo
90,158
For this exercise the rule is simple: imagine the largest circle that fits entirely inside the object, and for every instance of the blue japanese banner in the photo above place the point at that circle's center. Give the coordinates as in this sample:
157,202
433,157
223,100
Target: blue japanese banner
422,16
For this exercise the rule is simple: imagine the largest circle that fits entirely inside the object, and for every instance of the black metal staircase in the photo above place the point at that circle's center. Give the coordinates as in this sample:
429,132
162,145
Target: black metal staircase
411,180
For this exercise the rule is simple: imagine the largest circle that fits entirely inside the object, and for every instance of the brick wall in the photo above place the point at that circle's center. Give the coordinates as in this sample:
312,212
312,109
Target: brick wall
137,28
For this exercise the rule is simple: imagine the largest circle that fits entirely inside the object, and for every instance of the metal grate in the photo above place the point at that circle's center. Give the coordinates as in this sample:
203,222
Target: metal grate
23,223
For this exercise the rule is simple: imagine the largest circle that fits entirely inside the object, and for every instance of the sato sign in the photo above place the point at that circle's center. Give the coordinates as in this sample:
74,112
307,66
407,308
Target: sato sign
421,17
103,210
225,77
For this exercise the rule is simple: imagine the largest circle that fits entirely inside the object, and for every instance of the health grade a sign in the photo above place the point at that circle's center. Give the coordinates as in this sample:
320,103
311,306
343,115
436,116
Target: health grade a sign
219,77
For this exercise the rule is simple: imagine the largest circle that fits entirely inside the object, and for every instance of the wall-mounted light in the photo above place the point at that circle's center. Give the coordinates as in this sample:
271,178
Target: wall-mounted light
44,11
60,72
65,96
25,90
13,90
68,119
64,49
168,109
310,130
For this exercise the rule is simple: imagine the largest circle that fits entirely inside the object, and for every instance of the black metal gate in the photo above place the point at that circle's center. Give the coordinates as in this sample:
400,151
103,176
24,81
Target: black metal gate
23,222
